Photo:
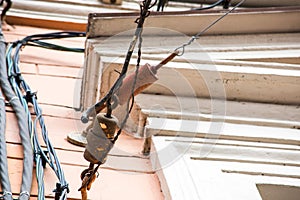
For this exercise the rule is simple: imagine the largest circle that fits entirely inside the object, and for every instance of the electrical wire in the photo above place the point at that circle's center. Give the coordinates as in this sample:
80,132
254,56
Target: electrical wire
128,106
144,13
48,45
107,98
211,6
47,155
4,176
33,134
23,131
161,5
195,37
5,9
97,107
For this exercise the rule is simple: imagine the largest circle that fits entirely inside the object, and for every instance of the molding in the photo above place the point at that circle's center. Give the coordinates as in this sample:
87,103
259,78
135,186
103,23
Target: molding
224,169
65,15
250,3
242,21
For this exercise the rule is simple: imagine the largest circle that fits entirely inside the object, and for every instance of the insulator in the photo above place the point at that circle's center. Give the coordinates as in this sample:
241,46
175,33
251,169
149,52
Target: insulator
99,138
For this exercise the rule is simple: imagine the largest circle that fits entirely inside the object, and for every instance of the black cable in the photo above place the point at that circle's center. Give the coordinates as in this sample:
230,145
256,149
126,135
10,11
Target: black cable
35,40
225,3
5,9
48,45
138,36
211,6
99,105
54,35
161,5
128,109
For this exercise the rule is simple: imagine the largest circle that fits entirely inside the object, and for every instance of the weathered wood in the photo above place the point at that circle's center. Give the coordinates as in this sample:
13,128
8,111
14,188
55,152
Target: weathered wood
250,3
219,129
217,81
276,192
244,66
239,22
189,108
65,15
231,174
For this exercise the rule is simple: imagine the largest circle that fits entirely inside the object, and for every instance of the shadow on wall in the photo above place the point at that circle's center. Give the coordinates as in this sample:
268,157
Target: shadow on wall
278,192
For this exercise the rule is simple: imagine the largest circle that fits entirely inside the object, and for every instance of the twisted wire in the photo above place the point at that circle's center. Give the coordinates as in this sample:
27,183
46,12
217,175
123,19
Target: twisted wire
195,37
20,86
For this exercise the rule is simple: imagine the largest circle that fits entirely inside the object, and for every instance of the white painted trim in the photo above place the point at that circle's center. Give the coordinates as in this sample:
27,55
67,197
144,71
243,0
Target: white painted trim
219,174
254,21
222,130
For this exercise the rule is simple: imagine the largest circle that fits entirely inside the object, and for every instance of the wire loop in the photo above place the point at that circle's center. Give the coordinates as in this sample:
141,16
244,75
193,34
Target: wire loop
182,47
195,37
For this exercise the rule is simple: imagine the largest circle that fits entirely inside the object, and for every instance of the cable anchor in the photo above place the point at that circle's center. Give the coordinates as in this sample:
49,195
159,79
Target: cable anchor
29,96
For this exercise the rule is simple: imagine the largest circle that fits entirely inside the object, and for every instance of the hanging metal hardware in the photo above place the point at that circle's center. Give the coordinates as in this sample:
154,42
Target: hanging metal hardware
100,141
101,137
97,107
195,37
146,77
88,176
